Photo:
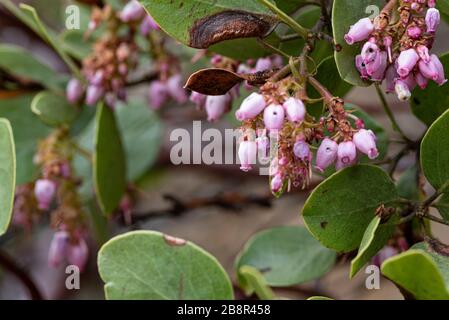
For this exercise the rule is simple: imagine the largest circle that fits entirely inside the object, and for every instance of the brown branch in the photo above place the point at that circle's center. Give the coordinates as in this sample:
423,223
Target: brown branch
10,265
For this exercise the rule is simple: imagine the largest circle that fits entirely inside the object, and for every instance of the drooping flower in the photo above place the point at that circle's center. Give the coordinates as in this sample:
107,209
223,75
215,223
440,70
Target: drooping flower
432,20
247,154
78,254
58,248
44,190
346,153
359,31
294,109
365,141
75,90
132,11
216,106
406,62
175,88
251,107
326,154
274,117
158,94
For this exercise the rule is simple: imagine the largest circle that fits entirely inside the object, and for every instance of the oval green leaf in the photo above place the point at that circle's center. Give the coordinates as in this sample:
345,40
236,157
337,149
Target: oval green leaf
148,265
109,160
286,256
53,109
346,13
435,152
202,23
7,174
417,275
374,239
340,209
427,105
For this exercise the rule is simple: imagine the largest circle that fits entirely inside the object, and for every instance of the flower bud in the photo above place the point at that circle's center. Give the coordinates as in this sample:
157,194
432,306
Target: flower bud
198,99
402,90
97,78
432,20
77,254
158,94
247,155
428,69
365,141
276,183
148,24
376,69
441,79
216,106
74,90
414,32
274,117
295,109
326,154
94,94
421,80
175,88
263,64
346,152
58,247
359,31
406,62
251,107
301,150
132,11
44,190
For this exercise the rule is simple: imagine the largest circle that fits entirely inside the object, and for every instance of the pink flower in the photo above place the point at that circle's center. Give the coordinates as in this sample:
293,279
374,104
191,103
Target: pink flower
361,67
263,64
370,52
216,106
274,117
302,151
433,69
295,109
326,154
441,79
148,24
376,69
402,90
276,183
251,107
198,99
359,31
432,20
175,88
365,141
391,75
58,247
94,94
421,80
132,11
247,155
406,62
423,53
346,152
431,3
414,32
75,90
77,254
158,94
44,190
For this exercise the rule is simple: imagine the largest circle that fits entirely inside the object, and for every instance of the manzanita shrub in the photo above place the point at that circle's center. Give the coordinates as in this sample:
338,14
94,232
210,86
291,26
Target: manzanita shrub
281,70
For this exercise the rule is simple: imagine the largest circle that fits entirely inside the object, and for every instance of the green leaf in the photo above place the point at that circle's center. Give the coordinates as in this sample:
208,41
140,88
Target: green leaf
435,152
256,281
141,132
340,209
28,130
346,13
53,109
244,49
7,174
408,184
109,160
201,23
327,74
430,103
286,256
443,6
417,275
374,239
441,261
149,265
21,64
73,42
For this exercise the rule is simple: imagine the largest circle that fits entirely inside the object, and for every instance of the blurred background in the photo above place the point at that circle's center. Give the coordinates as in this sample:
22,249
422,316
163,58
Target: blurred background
217,207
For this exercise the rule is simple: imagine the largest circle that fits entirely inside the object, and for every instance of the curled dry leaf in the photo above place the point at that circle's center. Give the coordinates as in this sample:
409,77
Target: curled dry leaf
227,25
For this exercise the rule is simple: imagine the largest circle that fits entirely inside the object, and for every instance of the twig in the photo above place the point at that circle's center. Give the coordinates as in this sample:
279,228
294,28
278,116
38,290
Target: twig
436,219
9,264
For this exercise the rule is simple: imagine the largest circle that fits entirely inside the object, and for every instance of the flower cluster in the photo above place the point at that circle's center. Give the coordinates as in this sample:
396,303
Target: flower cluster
286,134
399,51
217,106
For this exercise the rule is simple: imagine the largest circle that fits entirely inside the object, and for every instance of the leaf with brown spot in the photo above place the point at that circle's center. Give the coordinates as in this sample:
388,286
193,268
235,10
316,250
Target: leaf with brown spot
201,23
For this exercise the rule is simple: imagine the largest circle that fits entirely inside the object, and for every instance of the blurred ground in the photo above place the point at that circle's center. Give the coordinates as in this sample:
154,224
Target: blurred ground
219,231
